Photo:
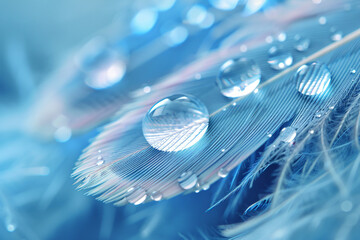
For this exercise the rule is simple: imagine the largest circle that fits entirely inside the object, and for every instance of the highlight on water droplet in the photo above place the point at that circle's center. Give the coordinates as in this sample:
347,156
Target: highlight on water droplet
156,196
322,20
279,58
287,134
175,123
101,65
238,77
337,36
223,172
312,79
301,43
187,180
136,195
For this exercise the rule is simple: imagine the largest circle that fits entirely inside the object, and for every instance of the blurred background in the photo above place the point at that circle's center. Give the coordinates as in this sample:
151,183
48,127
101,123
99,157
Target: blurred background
67,67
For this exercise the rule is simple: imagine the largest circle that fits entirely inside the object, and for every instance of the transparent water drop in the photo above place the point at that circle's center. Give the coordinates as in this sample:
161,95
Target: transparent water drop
102,66
269,39
301,43
322,20
223,150
312,79
269,135
187,180
353,71
100,162
311,131
346,206
279,59
318,115
206,186
243,48
331,107
156,196
337,36
62,134
175,123
287,134
136,195
147,89
223,173
281,37
10,227
238,77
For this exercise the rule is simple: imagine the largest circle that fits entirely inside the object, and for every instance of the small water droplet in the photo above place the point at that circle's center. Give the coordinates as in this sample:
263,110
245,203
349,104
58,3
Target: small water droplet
238,77
331,107
223,150
99,151
11,227
197,76
311,131
156,196
256,90
287,134
100,162
281,37
99,157
312,79
224,109
279,59
206,186
172,118
63,134
346,206
269,135
136,195
353,71
269,39
147,89
223,173
318,115
301,44
337,36
187,180
243,48
234,104
322,20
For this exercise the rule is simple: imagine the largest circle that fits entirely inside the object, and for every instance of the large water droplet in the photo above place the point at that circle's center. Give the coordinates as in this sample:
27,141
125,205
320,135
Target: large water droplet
287,134
175,123
301,43
136,195
238,77
279,59
187,180
312,79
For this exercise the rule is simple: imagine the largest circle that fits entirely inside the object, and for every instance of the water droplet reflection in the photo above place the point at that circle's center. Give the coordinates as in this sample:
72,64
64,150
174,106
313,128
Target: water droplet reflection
287,134
312,79
187,180
238,77
175,123
279,59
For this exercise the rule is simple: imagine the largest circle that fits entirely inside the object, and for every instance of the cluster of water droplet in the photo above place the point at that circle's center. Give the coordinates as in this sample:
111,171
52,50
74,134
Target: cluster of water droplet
178,122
